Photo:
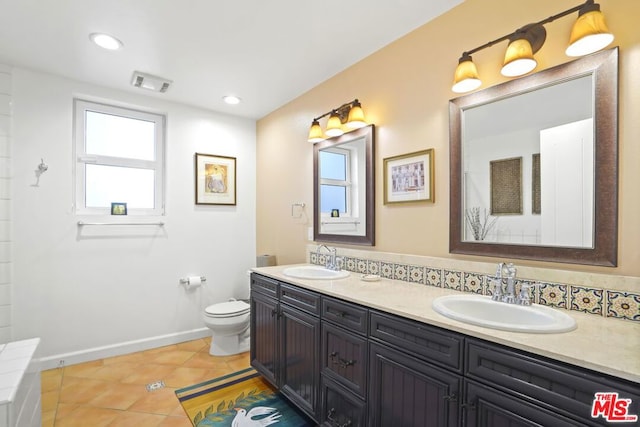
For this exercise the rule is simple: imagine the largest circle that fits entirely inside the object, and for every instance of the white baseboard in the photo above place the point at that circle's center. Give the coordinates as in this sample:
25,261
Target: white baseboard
120,349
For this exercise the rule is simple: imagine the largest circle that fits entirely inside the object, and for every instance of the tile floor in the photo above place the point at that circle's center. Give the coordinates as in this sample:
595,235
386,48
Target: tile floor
112,392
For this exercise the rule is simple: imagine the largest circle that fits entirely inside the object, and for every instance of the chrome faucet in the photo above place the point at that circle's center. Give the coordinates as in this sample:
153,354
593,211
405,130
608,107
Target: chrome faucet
333,262
507,294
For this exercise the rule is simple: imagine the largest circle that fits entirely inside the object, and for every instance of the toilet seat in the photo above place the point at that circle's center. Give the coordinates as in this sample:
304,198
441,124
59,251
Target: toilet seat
227,309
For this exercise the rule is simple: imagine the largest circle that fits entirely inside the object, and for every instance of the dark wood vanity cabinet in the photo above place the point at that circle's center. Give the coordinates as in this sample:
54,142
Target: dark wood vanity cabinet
415,373
285,340
348,365
344,364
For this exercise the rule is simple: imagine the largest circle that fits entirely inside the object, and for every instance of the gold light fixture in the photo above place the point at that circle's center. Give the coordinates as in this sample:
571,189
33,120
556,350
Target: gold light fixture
589,34
466,77
349,114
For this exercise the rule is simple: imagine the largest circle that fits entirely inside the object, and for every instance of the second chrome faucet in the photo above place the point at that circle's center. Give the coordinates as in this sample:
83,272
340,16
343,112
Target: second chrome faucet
504,286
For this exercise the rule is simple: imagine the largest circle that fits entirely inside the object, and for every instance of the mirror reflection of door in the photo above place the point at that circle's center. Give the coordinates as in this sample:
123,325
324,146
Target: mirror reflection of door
566,184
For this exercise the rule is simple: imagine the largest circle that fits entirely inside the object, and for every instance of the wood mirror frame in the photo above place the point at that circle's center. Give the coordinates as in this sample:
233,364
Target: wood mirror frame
368,187
603,66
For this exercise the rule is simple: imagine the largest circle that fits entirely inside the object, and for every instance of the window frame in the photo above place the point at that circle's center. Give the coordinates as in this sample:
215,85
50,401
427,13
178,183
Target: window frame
81,158
347,183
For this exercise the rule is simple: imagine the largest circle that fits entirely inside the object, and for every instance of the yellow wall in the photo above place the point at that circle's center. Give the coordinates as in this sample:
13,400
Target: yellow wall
404,89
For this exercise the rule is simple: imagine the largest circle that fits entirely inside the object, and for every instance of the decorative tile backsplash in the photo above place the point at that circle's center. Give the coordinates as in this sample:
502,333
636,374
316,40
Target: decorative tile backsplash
415,269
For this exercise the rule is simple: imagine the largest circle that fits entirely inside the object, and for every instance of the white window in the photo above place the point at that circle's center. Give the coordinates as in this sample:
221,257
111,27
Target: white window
335,181
119,158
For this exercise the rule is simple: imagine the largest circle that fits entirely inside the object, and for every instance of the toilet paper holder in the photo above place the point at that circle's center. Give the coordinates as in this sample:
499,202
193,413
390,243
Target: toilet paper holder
185,280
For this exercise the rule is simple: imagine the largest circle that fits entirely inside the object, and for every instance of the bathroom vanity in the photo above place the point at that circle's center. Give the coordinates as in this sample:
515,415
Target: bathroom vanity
353,353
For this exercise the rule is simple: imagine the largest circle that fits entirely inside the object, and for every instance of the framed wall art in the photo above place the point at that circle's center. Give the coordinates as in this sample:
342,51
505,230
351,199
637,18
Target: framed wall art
215,179
505,182
409,178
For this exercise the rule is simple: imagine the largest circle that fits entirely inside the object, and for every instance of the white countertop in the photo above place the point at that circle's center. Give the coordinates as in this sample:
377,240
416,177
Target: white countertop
611,346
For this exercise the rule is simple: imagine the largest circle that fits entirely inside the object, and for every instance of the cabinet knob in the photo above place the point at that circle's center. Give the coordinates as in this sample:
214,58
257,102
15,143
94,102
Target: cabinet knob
450,397
339,361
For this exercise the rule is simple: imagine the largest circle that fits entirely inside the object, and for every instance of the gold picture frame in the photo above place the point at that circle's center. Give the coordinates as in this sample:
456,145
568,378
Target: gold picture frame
409,177
215,179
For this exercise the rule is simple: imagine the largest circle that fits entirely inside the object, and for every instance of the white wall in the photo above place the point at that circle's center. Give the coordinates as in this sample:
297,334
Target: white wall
95,291
5,203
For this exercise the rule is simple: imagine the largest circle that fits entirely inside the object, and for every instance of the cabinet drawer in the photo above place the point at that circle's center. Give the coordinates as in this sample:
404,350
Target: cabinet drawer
485,406
341,408
436,345
264,285
547,383
300,298
351,316
344,358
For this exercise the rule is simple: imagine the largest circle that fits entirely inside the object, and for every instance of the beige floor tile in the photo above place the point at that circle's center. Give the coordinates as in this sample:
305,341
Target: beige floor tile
174,357
119,396
176,422
82,390
160,350
203,360
162,401
85,416
112,392
49,400
183,376
149,373
51,380
239,362
65,409
48,418
116,371
131,357
195,345
82,370
137,419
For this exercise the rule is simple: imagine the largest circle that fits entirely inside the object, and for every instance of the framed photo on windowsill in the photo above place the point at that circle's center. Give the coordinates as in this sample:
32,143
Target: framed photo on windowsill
215,179
409,178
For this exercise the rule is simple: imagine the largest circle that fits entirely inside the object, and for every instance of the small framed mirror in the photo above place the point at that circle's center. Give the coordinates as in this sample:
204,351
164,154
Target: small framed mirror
534,166
343,188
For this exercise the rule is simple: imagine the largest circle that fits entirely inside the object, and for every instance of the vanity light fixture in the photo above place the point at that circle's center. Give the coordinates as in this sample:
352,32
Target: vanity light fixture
589,34
349,114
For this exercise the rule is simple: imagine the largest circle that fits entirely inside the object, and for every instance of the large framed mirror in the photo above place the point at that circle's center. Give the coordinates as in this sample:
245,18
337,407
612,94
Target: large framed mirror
343,188
534,166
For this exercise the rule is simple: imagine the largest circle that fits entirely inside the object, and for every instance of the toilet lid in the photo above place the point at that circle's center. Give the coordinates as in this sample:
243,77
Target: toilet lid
226,309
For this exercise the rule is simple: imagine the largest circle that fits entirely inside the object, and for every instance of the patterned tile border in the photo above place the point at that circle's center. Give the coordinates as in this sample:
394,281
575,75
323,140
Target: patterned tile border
601,302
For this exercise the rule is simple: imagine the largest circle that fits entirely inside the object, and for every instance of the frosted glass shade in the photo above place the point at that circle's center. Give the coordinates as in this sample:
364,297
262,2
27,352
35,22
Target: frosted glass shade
518,60
334,126
315,132
589,34
466,76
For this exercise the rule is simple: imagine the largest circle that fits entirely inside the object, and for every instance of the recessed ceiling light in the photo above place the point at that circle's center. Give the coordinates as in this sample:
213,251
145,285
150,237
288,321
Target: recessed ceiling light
230,99
106,41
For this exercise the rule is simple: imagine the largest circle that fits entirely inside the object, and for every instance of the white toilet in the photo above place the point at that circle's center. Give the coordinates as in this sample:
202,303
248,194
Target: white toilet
229,323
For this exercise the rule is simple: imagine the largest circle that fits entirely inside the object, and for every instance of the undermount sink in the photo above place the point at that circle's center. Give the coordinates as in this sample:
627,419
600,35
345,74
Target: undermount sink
483,311
314,272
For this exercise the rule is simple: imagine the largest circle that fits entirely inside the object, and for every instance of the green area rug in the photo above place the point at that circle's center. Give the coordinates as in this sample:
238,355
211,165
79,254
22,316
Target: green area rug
239,399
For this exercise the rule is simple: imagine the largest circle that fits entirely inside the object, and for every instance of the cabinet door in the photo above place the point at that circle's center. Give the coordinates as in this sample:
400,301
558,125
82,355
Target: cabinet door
341,407
300,379
405,391
264,350
487,407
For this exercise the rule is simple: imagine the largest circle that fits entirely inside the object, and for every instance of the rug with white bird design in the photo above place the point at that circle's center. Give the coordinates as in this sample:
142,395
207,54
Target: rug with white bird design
241,399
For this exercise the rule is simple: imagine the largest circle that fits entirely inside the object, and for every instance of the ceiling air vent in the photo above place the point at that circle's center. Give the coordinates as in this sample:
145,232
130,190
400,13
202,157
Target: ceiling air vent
149,82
